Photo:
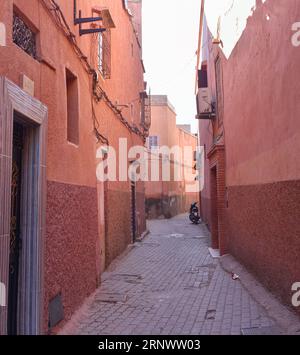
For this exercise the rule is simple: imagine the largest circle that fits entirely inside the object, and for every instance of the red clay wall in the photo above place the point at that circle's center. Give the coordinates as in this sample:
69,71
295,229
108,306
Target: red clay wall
71,231
263,172
265,236
70,244
73,248
169,198
125,84
262,143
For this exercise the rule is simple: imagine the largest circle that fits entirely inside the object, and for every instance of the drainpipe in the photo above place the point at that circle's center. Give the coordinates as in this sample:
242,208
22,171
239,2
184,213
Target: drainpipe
199,42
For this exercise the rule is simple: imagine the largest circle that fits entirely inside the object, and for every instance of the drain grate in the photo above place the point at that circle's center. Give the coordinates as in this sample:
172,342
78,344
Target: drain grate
272,330
150,244
111,298
199,237
128,278
174,235
196,286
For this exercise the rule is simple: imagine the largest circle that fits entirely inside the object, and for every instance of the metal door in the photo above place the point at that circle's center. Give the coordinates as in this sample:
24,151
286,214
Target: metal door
15,240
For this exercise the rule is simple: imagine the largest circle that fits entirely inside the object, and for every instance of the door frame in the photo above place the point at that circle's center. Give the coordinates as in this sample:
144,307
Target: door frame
133,211
33,204
216,158
215,236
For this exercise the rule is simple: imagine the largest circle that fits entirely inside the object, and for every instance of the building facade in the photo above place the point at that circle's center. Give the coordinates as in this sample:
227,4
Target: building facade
248,70
67,89
167,197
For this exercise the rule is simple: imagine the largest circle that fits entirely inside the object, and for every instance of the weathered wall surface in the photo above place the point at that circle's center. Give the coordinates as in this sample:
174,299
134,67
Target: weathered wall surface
77,235
262,140
70,259
70,244
169,198
263,170
125,84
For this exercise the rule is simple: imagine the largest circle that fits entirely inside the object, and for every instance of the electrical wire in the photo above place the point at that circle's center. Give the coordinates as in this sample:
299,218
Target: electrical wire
98,92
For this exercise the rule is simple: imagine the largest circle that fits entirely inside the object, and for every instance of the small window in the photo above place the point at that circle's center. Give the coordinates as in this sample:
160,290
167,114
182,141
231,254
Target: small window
72,108
23,36
145,106
104,53
153,142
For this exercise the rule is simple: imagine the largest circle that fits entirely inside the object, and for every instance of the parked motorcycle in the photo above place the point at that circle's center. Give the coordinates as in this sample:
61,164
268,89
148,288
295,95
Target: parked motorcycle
194,213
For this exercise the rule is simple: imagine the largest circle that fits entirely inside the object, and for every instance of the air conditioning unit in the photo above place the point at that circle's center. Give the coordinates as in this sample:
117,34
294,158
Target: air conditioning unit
204,97
205,106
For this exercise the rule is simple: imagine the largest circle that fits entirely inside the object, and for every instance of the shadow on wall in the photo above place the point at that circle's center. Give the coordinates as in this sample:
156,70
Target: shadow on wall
166,207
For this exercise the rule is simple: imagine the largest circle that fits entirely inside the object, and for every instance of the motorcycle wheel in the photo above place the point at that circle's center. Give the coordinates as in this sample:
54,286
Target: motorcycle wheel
192,218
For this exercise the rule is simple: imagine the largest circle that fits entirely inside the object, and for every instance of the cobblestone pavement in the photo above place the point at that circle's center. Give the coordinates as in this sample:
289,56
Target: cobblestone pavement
169,284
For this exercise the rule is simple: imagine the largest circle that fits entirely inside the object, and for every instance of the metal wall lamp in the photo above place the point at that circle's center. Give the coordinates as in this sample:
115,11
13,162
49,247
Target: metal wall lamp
81,20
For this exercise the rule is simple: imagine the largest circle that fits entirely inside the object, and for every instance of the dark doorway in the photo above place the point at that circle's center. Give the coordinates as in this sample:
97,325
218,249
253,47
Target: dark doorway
133,210
23,119
15,239
214,208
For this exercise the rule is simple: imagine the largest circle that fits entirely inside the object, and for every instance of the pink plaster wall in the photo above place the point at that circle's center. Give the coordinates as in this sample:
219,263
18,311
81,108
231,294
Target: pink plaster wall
173,193
262,103
261,132
78,236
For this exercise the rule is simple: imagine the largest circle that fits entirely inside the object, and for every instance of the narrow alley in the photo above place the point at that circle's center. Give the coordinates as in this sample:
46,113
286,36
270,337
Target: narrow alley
149,170
169,284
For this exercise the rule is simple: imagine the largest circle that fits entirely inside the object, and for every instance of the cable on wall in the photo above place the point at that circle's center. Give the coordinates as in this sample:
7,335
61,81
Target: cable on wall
98,92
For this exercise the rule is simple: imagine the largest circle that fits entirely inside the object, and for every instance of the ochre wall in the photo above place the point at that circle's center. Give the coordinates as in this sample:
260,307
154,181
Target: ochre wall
168,198
77,234
263,168
262,142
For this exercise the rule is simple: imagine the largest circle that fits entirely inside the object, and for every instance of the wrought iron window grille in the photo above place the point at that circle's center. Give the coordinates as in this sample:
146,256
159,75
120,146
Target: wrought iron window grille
24,37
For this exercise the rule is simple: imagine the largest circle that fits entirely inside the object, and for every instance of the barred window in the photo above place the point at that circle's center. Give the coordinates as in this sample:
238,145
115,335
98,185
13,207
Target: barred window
145,101
104,53
153,142
23,36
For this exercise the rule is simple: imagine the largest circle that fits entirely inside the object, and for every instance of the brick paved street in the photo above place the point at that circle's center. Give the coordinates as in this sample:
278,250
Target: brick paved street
169,284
